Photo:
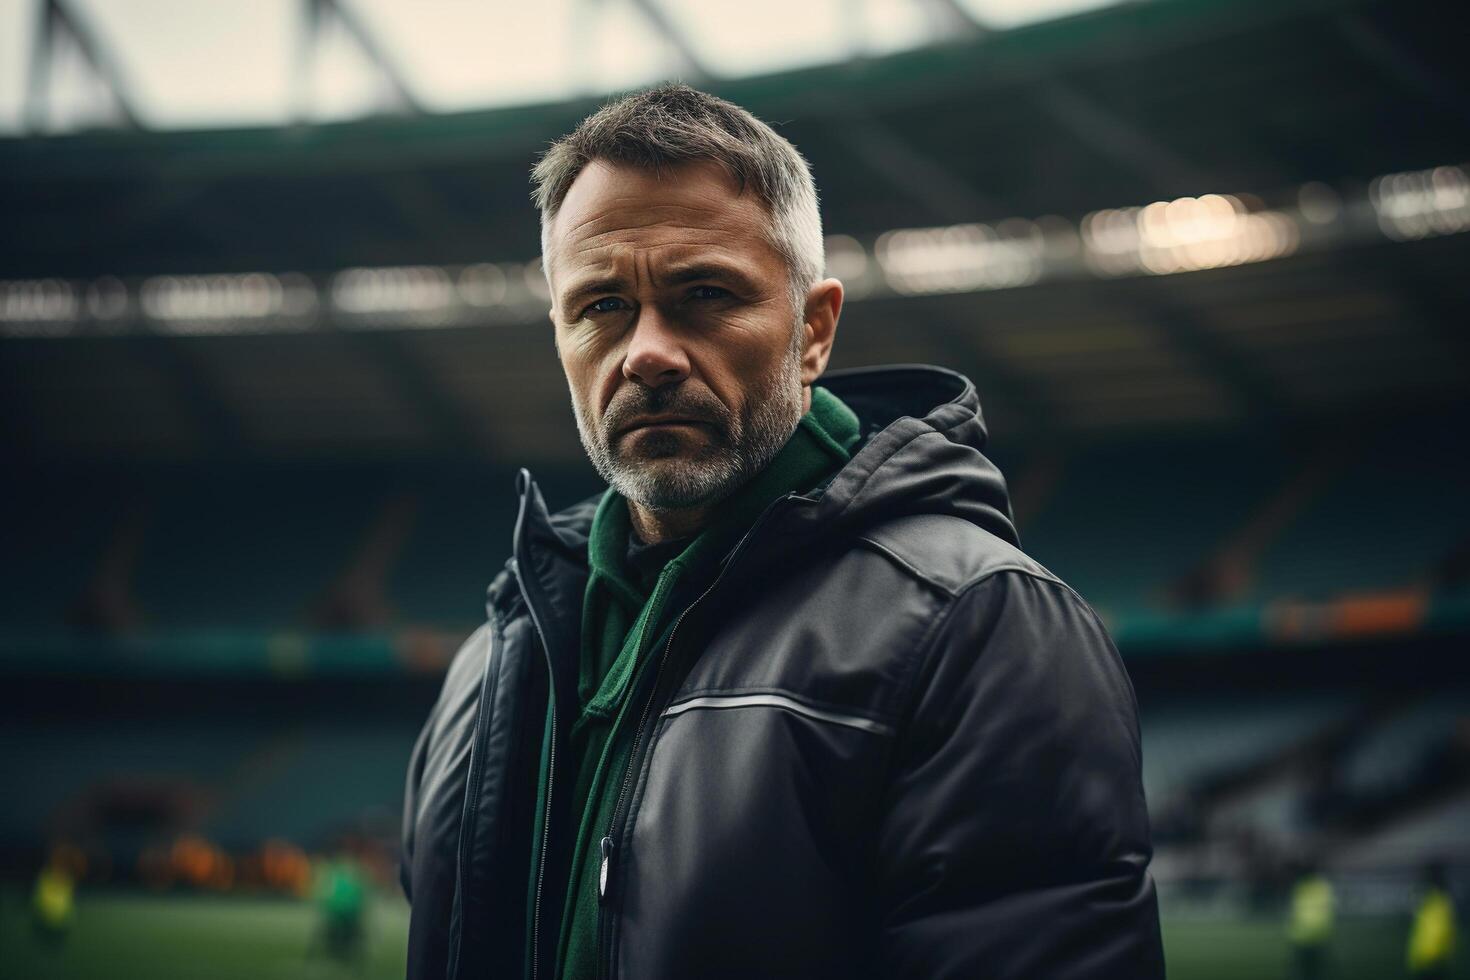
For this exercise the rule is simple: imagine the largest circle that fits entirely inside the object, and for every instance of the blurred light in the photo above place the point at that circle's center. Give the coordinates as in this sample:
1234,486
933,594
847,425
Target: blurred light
298,295
961,257
253,295
37,302
1422,203
420,291
1185,235
534,278
482,284
1059,237
107,298
1318,203
846,258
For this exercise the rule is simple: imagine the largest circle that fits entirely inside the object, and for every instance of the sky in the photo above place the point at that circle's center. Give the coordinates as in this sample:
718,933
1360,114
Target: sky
210,63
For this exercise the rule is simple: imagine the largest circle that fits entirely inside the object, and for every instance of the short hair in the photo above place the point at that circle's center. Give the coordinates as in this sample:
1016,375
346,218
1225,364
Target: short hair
671,124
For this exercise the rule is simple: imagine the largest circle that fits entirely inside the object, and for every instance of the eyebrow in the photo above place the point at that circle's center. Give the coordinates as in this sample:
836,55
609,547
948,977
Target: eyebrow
677,276
696,271
610,285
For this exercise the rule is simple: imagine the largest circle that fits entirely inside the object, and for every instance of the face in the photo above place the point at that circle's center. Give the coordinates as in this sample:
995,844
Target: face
687,364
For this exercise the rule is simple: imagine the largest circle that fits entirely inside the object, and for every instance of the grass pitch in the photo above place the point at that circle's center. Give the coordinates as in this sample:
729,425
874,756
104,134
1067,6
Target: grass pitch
121,936
1256,949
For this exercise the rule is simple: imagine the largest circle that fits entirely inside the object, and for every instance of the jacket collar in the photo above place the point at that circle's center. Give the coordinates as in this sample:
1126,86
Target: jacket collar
923,453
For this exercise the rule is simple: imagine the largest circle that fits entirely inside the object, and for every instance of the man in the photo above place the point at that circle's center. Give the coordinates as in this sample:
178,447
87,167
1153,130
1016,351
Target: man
786,700
1310,922
341,900
1431,951
53,901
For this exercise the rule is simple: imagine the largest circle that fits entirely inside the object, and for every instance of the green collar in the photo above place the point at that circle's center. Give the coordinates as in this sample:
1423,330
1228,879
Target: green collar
821,443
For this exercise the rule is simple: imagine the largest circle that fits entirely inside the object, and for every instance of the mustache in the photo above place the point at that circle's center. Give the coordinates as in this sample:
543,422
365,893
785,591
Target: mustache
639,400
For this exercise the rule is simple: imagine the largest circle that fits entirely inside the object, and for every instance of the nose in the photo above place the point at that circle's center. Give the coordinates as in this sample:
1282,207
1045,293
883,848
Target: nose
655,355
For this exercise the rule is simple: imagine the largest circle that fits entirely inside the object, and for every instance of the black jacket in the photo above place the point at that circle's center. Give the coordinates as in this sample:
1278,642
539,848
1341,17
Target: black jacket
885,742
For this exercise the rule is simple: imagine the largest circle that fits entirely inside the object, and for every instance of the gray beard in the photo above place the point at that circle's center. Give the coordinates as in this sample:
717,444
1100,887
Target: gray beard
743,446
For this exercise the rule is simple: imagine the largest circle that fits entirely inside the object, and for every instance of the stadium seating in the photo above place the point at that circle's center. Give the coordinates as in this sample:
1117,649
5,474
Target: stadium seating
1439,831
1395,509
61,764
1126,522
1272,810
249,552
236,783
1277,774
1187,741
1385,759
460,540
63,526
309,785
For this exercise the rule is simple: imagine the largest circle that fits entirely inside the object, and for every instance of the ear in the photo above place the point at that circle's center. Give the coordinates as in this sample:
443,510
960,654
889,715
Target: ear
823,307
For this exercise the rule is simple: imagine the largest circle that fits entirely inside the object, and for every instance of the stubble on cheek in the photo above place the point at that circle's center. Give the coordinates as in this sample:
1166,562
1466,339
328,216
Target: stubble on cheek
667,469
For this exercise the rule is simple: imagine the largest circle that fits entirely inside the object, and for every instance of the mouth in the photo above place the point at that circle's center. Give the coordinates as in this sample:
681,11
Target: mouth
656,424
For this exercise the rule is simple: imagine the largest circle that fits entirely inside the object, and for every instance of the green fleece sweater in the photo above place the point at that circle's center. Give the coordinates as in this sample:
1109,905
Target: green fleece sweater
624,625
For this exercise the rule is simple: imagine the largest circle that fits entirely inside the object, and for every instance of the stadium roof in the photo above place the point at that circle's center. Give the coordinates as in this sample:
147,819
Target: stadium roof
169,64
1010,204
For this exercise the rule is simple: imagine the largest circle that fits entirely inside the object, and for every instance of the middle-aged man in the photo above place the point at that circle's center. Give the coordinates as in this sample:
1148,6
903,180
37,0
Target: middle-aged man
786,700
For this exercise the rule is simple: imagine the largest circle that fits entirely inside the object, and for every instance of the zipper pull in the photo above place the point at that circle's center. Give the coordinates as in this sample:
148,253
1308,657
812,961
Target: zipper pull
604,870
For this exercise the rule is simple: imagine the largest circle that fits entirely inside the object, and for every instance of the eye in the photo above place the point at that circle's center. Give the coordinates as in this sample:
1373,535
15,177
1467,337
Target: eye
709,292
608,304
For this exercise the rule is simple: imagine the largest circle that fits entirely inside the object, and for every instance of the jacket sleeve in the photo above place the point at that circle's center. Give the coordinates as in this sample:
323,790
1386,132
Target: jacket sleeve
411,806
1014,840
433,785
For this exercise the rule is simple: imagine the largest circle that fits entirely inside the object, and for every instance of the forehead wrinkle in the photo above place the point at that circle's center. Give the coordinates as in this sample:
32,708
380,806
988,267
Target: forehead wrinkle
640,215
629,222
649,214
712,242
654,262
591,266
598,252
592,236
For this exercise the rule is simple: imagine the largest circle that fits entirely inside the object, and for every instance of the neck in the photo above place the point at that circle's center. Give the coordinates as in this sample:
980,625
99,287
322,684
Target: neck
657,526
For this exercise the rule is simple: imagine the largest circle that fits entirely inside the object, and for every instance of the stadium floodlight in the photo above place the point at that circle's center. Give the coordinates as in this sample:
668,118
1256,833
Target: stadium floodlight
1422,203
38,301
848,260
482,284
1187,234
961,258
250,302
396,289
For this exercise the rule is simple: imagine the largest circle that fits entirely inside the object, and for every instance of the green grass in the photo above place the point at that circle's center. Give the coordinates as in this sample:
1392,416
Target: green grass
120,936
1256,949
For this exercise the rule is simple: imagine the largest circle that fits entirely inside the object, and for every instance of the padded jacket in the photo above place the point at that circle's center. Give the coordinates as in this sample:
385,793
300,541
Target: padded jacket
883,743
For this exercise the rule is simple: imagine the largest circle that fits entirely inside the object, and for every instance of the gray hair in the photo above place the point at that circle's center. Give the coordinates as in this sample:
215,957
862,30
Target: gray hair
672,124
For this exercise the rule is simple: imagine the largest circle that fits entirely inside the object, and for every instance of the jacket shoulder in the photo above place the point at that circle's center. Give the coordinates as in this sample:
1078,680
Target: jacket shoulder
948,552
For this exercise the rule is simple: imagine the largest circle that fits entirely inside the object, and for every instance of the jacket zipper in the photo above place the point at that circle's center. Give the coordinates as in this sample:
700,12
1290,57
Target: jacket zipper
541,863
609,843
604,933
550,783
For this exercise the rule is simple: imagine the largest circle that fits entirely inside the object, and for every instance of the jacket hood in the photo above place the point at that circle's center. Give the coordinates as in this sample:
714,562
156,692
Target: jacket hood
922,453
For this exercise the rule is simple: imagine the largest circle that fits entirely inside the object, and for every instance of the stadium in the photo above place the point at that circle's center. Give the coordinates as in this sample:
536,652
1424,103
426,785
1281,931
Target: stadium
268,374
